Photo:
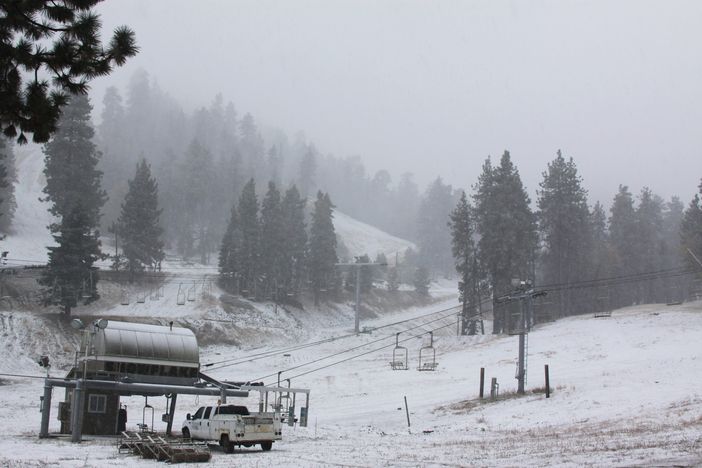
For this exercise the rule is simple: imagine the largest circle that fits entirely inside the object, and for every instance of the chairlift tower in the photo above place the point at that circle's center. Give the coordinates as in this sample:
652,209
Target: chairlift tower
358,288
523,290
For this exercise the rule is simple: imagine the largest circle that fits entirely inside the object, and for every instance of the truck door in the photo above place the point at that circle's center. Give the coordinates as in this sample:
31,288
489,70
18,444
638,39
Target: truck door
196,423
205,424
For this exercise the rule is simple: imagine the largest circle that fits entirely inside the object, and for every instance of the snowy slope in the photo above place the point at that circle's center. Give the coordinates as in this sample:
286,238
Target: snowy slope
360,239
27,244
625,393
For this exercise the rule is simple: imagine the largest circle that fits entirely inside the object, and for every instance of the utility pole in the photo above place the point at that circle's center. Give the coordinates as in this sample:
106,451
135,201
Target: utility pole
358,288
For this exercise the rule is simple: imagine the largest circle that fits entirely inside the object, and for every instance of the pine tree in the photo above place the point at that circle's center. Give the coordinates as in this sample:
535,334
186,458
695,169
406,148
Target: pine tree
295,240
73,186
465,261
564,222
138,224
71,276
691,231
622,234
273,252
421,280
323,259
72,177
650,245
251,146
60,38
308,169
229,254
433,234
198,180
250,240
507,229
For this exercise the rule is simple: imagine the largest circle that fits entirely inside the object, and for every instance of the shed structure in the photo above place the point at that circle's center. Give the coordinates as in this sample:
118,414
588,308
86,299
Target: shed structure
127,359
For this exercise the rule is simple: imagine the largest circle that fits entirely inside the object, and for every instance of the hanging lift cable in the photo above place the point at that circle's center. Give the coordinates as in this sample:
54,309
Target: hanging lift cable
375,350
256,356
624,279
363,346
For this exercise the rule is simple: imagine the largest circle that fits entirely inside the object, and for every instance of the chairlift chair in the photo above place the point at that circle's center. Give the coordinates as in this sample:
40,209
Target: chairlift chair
400,356
141,296
124,296
602,308
181,295
143,426
88,287
192,293
427,356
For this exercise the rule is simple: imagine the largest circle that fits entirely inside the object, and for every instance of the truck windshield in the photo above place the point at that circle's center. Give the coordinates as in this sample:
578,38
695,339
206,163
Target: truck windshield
198,413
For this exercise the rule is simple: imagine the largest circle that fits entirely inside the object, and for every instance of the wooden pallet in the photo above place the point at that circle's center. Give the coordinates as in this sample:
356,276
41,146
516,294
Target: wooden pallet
157,448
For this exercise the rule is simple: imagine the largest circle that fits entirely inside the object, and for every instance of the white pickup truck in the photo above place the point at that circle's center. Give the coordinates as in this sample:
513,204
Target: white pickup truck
232,425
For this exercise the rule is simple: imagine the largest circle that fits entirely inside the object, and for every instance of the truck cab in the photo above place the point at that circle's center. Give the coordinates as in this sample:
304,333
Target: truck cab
232,425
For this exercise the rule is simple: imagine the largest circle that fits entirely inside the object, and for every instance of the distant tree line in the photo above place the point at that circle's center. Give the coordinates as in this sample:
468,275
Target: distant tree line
583,259
201,198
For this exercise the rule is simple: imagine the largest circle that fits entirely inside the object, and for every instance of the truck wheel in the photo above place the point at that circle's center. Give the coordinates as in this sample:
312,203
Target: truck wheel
266,446
186,433
226,444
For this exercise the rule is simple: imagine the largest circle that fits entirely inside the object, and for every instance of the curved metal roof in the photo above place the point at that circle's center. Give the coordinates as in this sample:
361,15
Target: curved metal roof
153,342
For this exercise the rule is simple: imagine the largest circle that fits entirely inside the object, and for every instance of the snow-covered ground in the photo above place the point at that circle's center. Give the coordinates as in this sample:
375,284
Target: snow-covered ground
625,393
625,388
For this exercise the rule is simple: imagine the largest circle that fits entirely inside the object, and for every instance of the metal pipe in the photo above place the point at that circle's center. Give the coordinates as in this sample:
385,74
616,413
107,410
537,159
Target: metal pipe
358,299
146,389
171,413
77,413
45,412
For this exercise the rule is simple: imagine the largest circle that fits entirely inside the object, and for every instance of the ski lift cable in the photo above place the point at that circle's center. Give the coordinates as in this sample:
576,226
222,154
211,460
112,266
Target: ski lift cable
633,277
363,346
256,356
268,354
362,354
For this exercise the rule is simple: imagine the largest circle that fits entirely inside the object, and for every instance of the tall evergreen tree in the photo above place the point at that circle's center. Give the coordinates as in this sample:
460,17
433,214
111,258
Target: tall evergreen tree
229,254
250,252
466,263
650,249
138,225
251,146
198,178
622,234
507,229
564,222
323,259
421,280
73,186
295,240
308,170
433,233
273,244
72,177
691,231
71,276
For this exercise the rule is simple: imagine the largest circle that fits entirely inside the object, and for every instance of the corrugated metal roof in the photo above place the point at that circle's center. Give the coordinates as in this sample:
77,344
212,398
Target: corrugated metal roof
154,342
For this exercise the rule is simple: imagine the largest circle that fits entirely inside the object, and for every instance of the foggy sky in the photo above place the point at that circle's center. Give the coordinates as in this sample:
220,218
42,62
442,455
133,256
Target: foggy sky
434,87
